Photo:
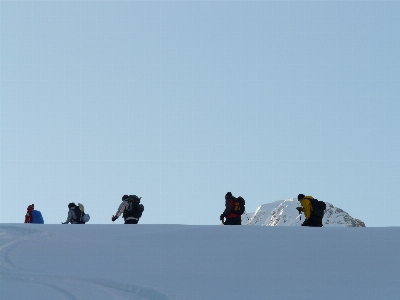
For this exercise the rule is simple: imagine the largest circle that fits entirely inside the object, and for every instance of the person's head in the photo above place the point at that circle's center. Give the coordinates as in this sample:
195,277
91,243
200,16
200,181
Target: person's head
30,207
124,197
300,197
228,195
72,204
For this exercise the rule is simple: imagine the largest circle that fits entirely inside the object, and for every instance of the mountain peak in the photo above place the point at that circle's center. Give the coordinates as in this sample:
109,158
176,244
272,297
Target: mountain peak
284,213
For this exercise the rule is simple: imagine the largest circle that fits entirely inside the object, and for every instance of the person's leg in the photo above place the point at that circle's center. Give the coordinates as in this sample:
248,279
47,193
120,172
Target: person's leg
233,221
131,221
228,221
315,221
238,221
318,222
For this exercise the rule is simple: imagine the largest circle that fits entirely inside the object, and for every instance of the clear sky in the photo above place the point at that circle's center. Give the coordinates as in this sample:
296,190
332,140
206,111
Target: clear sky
181,102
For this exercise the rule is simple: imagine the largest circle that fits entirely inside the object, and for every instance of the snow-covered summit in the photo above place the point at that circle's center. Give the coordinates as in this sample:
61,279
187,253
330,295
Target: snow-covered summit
284,213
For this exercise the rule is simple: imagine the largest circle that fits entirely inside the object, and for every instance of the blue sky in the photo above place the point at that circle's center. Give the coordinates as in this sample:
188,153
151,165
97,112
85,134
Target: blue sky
180,102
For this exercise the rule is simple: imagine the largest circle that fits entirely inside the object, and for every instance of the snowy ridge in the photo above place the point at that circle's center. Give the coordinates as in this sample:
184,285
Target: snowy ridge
180,262
284,213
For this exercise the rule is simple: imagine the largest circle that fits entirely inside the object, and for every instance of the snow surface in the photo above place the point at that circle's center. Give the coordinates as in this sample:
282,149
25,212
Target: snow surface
162,262
284,213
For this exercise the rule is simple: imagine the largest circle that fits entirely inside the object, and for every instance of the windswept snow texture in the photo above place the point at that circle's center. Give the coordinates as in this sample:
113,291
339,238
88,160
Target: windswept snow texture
284,213
161,262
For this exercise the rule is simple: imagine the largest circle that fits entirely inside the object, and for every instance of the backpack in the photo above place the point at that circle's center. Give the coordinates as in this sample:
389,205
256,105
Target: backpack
85,218
239,205
318,207
37,217
135,209
81,217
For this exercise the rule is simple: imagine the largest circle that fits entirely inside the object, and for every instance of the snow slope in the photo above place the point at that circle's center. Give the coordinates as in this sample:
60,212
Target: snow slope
284,213
161,262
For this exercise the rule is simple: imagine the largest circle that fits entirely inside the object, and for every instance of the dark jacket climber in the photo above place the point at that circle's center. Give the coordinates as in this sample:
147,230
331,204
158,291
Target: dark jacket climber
130,208
231,217
74,215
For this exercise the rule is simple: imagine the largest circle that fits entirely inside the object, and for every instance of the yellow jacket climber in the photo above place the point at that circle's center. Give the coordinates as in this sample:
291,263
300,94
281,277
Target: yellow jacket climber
306,206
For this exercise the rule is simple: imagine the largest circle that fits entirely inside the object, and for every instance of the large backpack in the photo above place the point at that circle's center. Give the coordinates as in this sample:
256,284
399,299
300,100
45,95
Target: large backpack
135,209
81,217
37,217
318,207
85,216
238,205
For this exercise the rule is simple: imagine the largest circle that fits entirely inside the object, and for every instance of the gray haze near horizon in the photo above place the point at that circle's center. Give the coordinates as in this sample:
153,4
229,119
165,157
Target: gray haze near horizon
180,102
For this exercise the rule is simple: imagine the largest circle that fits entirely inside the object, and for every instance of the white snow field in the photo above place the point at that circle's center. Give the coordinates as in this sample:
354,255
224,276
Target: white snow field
161,262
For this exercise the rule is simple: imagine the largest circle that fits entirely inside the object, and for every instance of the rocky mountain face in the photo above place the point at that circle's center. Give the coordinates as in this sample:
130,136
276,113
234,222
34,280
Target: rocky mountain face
284,213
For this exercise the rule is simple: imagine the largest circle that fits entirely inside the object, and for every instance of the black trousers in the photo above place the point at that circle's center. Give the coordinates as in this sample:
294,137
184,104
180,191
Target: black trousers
313,221
233,221
131,221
